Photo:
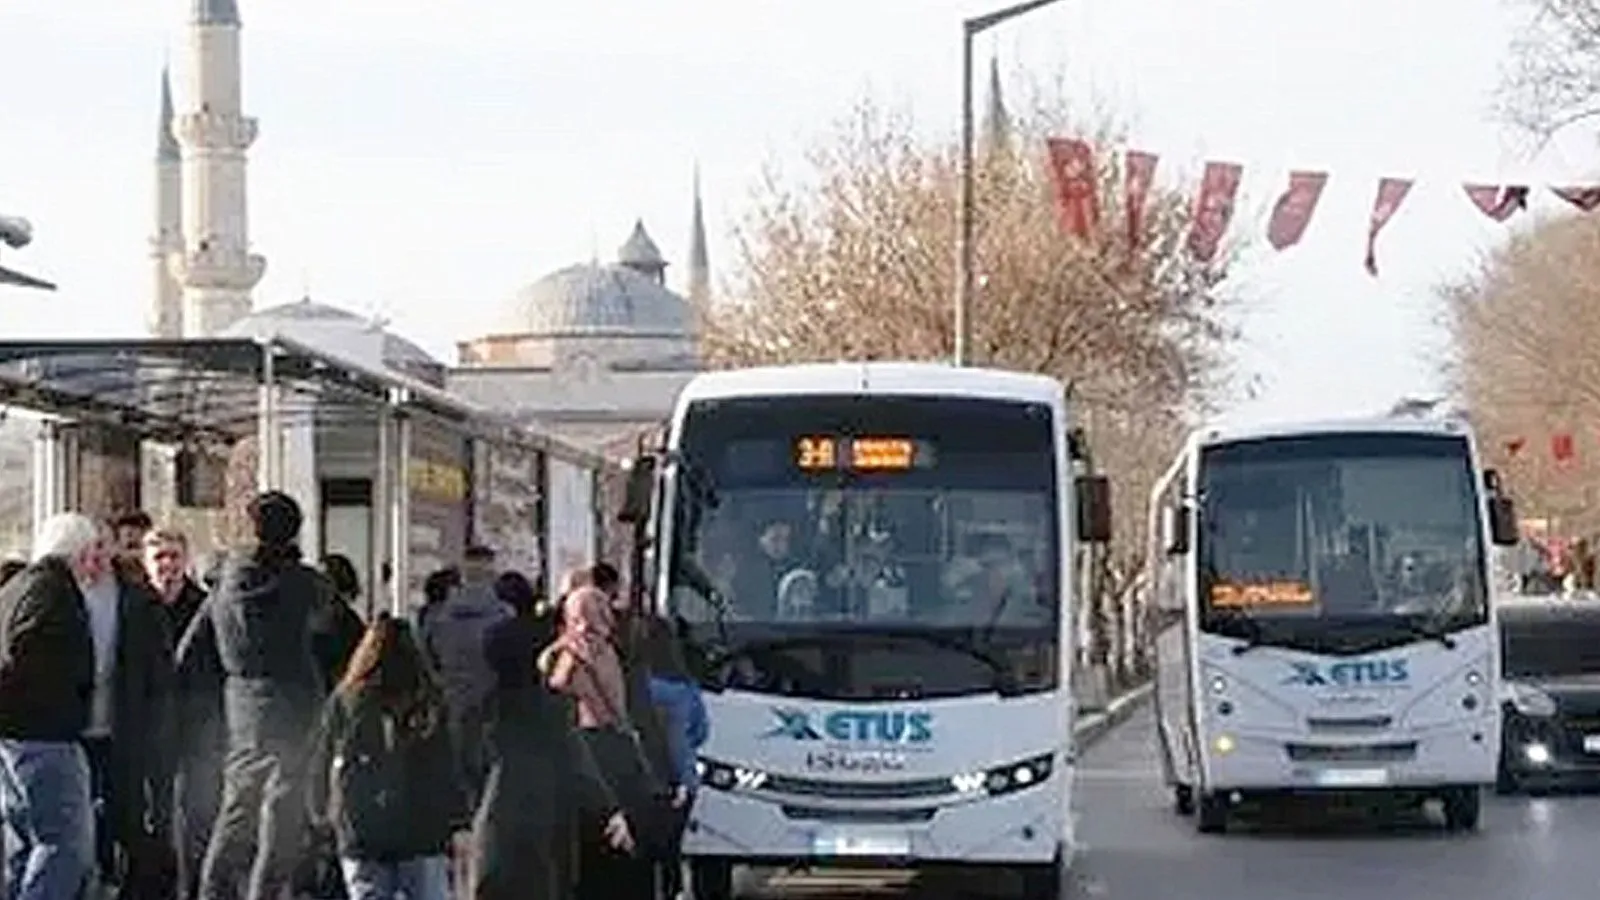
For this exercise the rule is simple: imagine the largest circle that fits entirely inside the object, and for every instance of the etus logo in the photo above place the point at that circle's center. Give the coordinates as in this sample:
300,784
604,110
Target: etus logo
847,726
1357,673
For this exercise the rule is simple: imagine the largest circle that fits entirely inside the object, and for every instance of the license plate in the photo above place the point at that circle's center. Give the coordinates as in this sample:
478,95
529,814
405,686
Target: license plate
1591,743
860,844
1352,778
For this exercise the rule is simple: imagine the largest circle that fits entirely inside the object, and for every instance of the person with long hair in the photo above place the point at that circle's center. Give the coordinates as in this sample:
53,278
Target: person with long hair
584,662
383,777
543,782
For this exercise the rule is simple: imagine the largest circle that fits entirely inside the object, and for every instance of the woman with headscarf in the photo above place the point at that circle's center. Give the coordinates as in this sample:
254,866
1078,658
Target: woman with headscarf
542,779
583,663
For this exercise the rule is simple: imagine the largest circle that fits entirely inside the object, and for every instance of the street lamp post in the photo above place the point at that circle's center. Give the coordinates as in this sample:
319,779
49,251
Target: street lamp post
971,28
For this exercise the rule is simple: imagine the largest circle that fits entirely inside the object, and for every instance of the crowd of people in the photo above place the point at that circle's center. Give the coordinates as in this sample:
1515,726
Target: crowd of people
248,734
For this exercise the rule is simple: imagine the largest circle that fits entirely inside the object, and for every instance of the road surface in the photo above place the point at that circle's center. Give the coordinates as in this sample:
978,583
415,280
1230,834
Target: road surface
1137,848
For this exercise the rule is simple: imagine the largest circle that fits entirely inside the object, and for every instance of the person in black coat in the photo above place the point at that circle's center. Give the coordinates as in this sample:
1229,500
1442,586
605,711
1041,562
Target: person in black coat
196,744
542,780
341,627
258,629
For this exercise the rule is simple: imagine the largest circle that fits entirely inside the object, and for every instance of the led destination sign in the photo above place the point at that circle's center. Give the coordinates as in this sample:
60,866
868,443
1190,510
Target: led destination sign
831,453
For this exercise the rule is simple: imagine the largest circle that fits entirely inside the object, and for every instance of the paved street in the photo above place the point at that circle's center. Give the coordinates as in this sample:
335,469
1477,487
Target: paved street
1529,849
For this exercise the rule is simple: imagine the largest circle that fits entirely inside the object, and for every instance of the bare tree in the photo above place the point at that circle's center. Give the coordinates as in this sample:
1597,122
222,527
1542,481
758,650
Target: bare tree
1553,79
854,261
1525,339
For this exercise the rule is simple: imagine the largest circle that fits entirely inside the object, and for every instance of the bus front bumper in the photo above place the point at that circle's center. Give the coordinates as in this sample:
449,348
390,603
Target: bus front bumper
1463,754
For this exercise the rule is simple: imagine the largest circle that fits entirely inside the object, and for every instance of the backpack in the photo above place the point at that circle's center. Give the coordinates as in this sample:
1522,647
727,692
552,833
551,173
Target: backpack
367,785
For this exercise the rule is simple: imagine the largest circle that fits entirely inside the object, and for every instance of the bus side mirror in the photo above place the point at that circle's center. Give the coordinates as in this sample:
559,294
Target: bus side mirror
639,491
1094,508
1175,529
1503,528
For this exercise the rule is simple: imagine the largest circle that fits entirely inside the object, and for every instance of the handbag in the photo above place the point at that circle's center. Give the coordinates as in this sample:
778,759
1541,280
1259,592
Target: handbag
646,797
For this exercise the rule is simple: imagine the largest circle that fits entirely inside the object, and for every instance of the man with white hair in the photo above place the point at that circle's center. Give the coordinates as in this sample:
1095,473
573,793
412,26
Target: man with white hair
47,680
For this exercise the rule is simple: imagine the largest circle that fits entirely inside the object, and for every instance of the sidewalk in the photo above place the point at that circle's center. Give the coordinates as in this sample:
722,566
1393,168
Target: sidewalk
1093,724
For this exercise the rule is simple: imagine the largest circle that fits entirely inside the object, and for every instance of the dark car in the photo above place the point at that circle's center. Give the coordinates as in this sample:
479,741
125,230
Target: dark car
1550,649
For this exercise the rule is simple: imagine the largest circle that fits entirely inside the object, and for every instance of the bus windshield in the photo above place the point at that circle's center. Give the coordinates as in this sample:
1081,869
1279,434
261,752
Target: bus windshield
870,546
1341,541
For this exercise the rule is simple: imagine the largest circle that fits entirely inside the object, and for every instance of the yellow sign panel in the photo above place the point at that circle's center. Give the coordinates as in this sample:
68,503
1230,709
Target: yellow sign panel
438,481
813,454
1267,593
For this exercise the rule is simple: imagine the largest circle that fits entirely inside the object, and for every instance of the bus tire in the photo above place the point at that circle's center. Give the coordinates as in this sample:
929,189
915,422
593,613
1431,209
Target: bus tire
1212,810
1463,807
1042,881
711,879
1183,800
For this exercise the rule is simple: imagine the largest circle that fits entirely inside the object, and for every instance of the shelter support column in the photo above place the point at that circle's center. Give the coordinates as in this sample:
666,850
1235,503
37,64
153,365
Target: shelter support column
269,438
382,522
400,505
55,470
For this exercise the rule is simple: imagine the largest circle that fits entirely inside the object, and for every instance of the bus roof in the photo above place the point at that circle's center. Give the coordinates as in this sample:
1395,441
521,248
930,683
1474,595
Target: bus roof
1212,436
903,378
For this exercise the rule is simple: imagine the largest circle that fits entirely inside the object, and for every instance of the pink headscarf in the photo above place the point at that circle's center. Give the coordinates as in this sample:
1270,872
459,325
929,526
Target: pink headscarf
598,684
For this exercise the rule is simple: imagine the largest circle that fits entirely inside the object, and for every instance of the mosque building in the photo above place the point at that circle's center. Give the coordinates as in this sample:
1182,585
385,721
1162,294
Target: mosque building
591,353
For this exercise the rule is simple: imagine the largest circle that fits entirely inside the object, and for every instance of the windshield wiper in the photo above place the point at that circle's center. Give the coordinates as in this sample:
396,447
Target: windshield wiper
1003,682
1428,631
1253,638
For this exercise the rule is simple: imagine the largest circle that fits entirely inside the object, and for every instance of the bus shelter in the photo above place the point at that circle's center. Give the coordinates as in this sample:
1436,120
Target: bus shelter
230,410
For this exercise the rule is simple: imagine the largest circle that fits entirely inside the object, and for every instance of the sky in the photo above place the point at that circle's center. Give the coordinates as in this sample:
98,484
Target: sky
422,160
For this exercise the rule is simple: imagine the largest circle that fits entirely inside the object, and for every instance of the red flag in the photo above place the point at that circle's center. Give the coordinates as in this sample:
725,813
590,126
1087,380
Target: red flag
1391,193
1496,202
1139,171
1213,208
1584,198
1563,447
1072,165
1293,211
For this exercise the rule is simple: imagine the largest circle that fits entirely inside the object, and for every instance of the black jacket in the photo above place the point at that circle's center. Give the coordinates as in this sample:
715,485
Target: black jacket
46,655
141,710
419,802
260,630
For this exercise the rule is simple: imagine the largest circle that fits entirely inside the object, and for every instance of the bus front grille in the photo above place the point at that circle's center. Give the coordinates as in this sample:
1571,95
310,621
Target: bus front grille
1400,751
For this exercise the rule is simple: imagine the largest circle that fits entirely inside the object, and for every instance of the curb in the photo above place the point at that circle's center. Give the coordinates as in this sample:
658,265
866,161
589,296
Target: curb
1095,725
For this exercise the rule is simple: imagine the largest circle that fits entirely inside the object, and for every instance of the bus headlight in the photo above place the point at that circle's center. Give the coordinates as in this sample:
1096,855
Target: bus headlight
1006,779
724,777
1530,701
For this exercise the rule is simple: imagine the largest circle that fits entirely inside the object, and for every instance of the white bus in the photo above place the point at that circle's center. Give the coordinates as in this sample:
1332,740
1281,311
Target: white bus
1323,616
873,564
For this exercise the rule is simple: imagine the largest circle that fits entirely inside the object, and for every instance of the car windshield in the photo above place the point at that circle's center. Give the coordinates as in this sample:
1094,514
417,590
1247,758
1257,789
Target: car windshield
1561,640
803,519
1379,533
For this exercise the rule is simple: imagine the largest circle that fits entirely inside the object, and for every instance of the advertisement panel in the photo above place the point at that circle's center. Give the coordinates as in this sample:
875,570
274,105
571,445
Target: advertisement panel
439,475
508,506
570,539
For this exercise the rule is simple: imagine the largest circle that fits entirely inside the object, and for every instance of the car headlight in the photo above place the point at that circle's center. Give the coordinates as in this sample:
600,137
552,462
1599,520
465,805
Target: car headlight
1530,701
724,777
1005,779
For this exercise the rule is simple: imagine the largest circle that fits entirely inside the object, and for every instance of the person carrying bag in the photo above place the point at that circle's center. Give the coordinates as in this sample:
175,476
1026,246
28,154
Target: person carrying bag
584,664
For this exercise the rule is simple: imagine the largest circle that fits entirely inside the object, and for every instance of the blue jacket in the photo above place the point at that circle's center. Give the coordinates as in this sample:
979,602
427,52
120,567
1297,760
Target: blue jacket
686,723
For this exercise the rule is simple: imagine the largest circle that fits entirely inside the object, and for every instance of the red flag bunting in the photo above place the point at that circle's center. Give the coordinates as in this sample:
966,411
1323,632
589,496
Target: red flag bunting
1139,172
1584,198
1293,211
1072,164
1496,202
1563,447
1213,208
1391,193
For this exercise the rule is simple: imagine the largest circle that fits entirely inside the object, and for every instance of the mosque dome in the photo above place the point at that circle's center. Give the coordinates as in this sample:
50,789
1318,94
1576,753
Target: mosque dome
628,298
340,333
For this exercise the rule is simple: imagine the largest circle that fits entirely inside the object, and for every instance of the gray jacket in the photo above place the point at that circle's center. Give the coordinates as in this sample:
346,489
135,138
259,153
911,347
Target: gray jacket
454,635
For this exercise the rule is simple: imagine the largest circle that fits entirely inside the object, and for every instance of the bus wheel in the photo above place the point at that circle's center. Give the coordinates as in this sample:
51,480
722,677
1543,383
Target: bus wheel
1462,808
1042,882
1213,813
711,879
1183,800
